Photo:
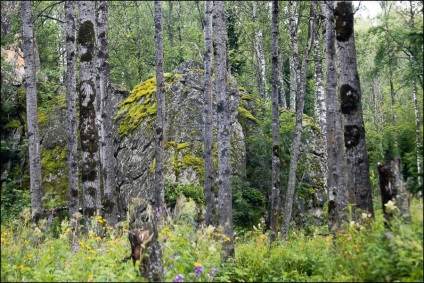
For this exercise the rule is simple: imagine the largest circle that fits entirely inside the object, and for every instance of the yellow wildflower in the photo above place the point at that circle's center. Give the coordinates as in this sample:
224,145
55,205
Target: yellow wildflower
262,237
92,251
21,266
197,264
89,258
97,238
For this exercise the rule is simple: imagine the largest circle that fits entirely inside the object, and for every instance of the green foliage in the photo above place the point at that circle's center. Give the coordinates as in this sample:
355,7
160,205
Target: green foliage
363,251
175,190
248,207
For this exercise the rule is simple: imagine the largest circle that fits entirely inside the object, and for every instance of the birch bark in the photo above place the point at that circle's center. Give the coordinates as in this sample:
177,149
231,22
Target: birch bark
275,190
300,101
32,115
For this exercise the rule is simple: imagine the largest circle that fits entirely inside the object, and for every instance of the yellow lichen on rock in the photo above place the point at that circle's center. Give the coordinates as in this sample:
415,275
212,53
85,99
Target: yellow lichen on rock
137,106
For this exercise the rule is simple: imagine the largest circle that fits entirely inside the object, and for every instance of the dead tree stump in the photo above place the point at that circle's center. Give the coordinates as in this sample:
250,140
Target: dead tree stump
393,188
146,249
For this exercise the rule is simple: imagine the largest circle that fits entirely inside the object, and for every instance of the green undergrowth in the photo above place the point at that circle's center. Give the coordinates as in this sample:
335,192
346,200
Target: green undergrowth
365,252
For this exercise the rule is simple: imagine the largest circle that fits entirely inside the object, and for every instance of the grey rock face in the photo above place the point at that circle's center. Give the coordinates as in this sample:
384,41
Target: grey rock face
308,205
183,136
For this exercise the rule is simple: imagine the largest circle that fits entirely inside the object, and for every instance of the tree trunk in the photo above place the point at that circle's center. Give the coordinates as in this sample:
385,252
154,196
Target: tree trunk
300,101
293,61
292,83
417,136
260,56
223,121
319,82
71,110
275,191
336,159
281,94
108,165
207,118
350,94
393,189
88,129
160,110
32,115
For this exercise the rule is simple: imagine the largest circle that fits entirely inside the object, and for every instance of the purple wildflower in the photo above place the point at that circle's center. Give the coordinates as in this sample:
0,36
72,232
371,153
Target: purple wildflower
58,265
75,248
214,270
175,255
170,266
198,269
165,239
178,278
170,257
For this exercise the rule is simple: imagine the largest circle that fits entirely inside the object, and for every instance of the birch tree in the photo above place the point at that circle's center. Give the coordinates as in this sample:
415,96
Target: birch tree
293,61
260,56
108,163
88,130
336,159
275,191
300,102
351,107
32,115
208,123
225,220
71,110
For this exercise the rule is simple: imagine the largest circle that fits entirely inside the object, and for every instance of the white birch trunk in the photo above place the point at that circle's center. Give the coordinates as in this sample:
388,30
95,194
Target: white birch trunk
300,101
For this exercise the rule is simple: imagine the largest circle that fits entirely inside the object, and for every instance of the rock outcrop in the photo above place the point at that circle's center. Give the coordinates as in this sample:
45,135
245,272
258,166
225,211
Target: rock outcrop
135,122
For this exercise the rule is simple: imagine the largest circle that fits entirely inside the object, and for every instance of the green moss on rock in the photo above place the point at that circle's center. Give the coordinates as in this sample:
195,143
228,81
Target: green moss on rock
136,107
244,113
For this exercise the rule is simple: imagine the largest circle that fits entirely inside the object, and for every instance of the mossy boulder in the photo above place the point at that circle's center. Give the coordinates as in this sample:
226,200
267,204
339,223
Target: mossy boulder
183,130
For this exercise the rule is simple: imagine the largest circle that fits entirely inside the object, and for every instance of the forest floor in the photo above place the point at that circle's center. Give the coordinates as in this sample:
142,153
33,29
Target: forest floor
359,252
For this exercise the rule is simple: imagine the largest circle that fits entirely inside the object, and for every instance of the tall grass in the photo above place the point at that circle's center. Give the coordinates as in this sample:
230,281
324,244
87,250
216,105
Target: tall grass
366,252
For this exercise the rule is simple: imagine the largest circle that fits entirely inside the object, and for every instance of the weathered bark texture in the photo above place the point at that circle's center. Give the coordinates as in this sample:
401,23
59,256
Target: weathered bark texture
160,110
71,110
275,190
393,189
300,101
260,56
32,116
210,217
108,159
350,95
223,122
88,130
336,159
